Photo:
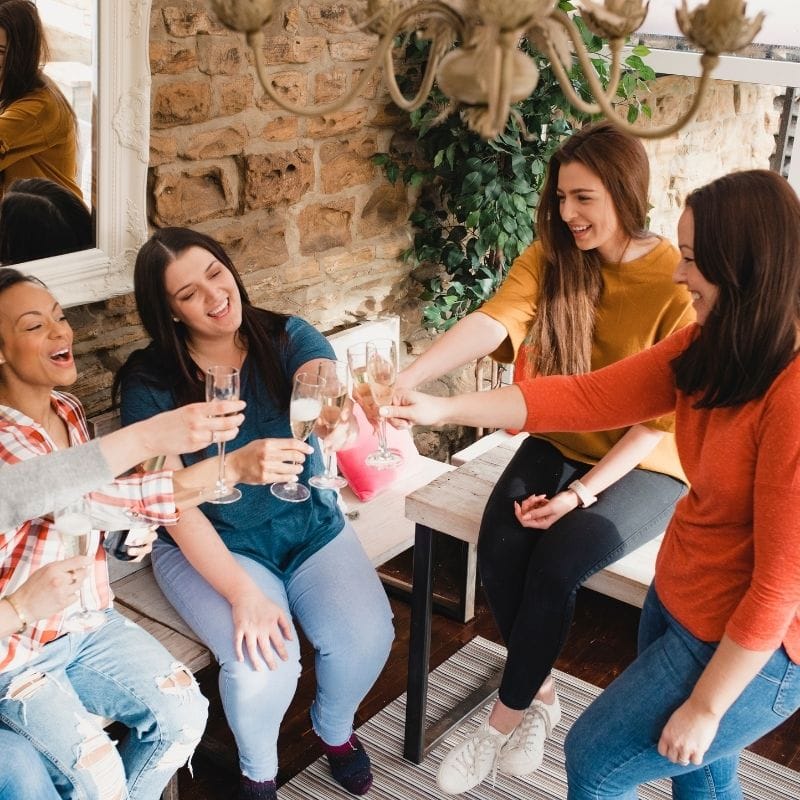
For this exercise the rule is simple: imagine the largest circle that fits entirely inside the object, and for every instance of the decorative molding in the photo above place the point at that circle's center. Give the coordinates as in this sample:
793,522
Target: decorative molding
123,115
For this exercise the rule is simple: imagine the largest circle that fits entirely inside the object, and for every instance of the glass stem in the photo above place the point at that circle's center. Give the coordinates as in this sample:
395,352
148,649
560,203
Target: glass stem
329,465
382,446
82,594
221,487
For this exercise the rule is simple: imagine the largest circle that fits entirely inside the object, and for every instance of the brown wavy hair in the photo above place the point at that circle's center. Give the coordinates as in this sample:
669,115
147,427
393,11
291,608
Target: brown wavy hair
747,243
572,282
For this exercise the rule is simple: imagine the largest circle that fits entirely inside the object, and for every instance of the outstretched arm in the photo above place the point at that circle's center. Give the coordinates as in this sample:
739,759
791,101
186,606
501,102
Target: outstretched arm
472,337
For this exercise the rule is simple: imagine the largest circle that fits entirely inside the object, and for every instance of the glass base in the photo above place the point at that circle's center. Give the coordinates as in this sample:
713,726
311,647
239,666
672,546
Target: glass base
228,494
83,621
290,491
384,459
327,481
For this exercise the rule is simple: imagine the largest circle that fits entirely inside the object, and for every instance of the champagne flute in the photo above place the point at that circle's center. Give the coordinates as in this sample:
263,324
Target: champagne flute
304,409
334,397
222,383
74,525
374,369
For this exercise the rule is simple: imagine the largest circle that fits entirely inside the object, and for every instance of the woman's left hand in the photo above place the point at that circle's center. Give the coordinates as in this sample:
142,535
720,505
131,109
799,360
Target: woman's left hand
144,543
540,513
688,734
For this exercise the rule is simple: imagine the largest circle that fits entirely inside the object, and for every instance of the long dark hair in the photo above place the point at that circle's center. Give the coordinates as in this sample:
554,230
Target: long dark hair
166,363
26,52
572,282
40,218
747,243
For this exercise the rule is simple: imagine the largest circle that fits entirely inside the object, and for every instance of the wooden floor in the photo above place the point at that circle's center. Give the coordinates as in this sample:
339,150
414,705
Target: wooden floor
600,645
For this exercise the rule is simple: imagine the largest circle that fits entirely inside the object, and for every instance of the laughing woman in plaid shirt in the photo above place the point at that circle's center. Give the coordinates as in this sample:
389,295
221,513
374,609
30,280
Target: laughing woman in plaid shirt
51,681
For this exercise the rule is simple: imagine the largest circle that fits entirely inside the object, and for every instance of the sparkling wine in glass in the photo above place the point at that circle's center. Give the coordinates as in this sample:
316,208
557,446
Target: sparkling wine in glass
373,367
304,410
334,397
74,525
222,383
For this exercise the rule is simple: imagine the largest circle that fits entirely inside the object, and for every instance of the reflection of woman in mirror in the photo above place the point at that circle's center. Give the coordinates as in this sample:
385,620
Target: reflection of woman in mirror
38,130
32,205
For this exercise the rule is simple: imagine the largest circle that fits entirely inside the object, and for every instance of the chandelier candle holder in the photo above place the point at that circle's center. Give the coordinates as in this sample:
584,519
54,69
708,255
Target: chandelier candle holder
476,60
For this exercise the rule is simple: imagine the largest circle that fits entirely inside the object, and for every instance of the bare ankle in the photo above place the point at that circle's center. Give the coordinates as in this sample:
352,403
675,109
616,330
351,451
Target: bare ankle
504,719
547,692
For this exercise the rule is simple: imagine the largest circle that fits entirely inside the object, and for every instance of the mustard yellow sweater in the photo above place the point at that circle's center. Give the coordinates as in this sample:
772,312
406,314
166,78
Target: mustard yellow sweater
38,140
640,305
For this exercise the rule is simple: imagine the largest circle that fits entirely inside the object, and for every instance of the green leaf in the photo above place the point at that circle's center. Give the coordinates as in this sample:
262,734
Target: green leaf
641,50
472,219
471,183
380,159
438,158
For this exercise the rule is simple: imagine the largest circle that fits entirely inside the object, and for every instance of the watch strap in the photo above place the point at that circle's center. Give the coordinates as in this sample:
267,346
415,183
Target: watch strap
585,497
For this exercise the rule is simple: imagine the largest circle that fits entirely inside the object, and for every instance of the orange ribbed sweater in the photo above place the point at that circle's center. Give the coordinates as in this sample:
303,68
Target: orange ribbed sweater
730,560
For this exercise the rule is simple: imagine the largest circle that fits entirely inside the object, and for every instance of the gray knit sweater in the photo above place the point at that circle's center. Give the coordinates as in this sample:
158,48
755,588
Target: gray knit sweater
46,483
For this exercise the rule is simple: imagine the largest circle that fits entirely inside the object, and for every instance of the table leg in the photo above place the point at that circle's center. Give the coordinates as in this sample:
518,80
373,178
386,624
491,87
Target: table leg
419,645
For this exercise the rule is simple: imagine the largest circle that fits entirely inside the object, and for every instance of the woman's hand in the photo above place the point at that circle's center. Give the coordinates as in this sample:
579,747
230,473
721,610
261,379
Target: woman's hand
267,461
416,408
343,433
688,734
144,543
52,588
260,628
194,426
540,513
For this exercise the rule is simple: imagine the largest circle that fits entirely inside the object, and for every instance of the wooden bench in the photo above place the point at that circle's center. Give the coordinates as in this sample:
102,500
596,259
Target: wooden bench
380,523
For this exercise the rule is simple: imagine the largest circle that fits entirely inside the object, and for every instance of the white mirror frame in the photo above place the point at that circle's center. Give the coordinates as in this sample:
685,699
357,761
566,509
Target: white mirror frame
122,157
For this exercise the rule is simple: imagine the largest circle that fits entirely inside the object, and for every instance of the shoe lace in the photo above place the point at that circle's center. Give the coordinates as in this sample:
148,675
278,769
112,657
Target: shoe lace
483,745
533,729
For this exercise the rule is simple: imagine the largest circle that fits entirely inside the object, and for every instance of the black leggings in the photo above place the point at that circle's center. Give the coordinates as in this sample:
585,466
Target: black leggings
531,577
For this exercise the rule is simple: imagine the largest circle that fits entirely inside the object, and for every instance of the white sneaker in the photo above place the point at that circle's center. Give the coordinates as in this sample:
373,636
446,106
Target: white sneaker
469,762
524,750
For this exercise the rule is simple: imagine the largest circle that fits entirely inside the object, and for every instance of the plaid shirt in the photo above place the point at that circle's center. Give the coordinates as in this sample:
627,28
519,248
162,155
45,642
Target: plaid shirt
35,543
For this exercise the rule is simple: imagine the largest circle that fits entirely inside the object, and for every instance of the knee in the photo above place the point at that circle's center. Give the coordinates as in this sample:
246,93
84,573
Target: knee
182,720
369,641
98,768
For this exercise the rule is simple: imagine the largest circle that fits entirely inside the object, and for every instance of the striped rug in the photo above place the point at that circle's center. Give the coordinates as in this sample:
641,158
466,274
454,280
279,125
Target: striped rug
398,779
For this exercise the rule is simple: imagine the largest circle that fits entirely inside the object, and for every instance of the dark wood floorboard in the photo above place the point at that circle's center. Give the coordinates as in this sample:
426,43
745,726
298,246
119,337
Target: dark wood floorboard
600,645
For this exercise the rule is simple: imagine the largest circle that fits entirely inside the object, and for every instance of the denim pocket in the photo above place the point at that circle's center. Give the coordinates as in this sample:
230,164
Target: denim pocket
787,700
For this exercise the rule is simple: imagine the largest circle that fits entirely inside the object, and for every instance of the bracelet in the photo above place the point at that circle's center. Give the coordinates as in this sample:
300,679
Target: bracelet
20,613
585,497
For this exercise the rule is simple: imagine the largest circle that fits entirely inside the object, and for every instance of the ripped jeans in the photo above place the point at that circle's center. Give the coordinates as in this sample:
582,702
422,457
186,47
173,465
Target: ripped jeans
117,671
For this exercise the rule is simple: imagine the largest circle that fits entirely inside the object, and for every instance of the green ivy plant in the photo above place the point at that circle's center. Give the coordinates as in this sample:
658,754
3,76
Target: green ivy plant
477,201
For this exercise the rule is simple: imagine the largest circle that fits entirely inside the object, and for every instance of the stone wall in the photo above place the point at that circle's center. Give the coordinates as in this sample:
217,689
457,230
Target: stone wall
308,219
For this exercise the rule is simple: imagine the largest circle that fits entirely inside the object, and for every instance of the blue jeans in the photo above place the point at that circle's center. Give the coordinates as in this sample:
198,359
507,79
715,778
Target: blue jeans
117,671
337,599
23,775
612,747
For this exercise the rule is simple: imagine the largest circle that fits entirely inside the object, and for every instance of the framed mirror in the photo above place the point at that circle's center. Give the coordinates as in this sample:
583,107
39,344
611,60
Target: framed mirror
120,160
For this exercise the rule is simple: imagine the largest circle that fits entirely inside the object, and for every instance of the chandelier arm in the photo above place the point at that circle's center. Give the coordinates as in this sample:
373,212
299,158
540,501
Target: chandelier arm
709,62
398,98
586,67
256,41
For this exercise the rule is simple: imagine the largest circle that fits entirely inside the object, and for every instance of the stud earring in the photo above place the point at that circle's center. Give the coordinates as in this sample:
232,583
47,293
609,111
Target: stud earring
175,319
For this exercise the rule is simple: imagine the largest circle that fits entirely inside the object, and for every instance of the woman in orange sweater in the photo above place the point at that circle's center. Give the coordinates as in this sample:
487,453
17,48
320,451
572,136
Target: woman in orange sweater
719,638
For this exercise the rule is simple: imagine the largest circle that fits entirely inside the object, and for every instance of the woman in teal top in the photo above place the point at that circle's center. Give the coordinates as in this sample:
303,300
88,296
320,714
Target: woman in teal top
243,574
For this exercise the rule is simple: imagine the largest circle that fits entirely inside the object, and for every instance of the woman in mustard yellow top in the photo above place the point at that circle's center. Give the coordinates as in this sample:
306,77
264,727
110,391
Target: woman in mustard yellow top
38,130
594,288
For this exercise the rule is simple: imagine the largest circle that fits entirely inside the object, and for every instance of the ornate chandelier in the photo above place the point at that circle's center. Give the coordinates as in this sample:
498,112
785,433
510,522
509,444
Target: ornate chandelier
476,60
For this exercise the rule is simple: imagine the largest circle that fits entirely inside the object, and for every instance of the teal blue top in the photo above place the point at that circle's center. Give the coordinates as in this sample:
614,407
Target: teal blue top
278,534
